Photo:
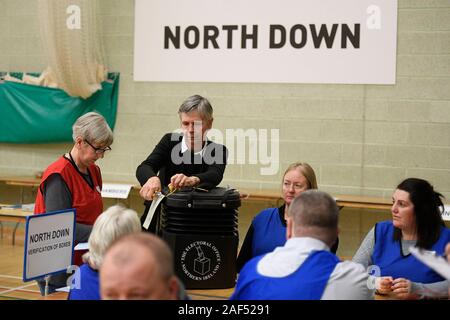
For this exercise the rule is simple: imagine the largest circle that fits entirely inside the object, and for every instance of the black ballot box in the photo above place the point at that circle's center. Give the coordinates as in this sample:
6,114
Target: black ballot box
202,230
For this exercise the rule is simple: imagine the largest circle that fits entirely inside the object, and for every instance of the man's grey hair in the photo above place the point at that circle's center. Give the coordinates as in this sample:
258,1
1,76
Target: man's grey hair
317,211
93,128
199,104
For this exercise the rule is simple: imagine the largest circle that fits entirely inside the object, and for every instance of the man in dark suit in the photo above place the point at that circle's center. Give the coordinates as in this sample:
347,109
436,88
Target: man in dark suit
183,160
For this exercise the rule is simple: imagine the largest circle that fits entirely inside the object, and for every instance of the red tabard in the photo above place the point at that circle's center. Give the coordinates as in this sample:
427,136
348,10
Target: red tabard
87,200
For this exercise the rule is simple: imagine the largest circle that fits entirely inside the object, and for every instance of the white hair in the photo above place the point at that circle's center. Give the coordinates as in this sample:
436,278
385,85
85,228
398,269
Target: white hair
113,223
94,128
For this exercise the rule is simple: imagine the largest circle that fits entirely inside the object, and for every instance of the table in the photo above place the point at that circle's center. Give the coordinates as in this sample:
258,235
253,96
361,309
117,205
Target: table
13,215
342,200
34,182
210,294
363,202
59,295
28,181
21,181
351,201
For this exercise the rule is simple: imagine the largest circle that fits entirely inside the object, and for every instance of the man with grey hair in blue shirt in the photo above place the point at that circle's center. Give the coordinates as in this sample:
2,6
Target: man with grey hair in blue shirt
304,268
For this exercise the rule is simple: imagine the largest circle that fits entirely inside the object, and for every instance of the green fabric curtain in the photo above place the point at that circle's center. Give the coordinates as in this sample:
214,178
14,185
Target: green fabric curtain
34,114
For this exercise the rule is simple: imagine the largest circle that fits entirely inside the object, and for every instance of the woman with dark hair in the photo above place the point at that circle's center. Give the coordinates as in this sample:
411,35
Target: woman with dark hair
416,222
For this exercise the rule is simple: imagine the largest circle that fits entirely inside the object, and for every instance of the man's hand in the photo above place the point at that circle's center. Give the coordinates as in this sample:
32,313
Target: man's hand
150,187
180,180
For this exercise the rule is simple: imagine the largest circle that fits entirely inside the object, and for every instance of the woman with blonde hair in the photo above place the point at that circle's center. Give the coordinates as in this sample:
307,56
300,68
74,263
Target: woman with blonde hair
268,228
110,225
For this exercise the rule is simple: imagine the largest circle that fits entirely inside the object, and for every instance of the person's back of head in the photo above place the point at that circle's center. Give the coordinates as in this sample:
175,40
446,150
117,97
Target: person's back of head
139,266
314,214
113,223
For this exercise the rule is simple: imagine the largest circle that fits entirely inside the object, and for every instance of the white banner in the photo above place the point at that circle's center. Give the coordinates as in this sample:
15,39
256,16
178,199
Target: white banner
48,244
290,41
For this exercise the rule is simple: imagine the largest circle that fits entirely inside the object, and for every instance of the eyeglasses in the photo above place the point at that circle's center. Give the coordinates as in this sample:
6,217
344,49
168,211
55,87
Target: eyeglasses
98,150
296,186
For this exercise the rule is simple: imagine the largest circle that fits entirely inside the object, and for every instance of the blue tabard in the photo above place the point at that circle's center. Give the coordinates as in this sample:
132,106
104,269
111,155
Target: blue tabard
308,282
388,256
269,232
89,285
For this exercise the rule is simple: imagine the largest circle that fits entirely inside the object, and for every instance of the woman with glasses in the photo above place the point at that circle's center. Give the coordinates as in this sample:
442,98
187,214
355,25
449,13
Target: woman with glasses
75,181
268,228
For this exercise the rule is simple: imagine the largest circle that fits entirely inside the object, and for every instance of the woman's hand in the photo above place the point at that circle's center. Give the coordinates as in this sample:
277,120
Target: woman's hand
401,289
384,285
150,187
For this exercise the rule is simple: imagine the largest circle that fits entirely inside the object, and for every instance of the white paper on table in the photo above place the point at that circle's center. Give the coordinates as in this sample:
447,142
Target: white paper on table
28,207
437,263
82,246
116,190
152,210
63,289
